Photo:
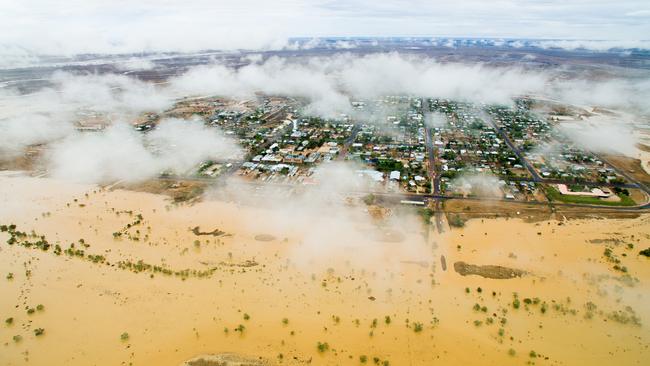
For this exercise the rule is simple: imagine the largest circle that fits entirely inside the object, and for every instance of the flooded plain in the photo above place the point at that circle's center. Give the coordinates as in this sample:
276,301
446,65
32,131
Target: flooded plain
138,280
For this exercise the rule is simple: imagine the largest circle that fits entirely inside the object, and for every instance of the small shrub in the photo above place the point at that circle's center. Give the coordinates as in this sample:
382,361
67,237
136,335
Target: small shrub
363,358
322,347
417,327
515,303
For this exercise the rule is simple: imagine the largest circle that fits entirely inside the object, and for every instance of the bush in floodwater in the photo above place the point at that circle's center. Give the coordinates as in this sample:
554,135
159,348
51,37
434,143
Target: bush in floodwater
322,346
363,358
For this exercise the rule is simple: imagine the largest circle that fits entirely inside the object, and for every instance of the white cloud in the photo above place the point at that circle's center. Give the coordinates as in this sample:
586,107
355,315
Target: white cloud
95,26
30,129
121,154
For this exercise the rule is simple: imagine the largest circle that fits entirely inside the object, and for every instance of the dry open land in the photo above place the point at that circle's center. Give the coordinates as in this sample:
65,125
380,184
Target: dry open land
97,276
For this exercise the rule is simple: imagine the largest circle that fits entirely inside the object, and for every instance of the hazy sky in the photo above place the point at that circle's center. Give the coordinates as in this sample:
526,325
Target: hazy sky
74,26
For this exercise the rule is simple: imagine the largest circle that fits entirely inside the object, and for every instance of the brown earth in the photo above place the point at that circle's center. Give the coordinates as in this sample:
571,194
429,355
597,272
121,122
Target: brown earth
630,166
224,359
487,271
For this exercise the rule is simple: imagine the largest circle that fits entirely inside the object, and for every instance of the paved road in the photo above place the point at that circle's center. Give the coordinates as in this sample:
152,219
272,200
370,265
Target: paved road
516,150
638,184
397,197
433,170
349,141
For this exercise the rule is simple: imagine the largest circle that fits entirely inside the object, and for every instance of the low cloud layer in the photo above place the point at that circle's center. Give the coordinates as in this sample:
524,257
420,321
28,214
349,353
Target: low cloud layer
328,85
31,129
122,154
603,134
312,212
94,26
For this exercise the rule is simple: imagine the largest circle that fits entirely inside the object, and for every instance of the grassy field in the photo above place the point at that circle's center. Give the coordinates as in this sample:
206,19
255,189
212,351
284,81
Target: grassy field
555,195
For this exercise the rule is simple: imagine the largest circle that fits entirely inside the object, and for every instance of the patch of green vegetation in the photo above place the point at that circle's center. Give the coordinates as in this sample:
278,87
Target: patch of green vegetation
369,199
426,214
387,165
363,358
555,195
322,346
645,252
456,221
124,336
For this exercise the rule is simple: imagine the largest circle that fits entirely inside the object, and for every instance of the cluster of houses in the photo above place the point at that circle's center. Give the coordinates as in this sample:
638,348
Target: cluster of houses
467,145
302,144
388,138
393,144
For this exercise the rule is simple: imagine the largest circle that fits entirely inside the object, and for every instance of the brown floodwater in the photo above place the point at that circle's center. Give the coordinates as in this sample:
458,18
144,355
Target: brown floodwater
317,276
